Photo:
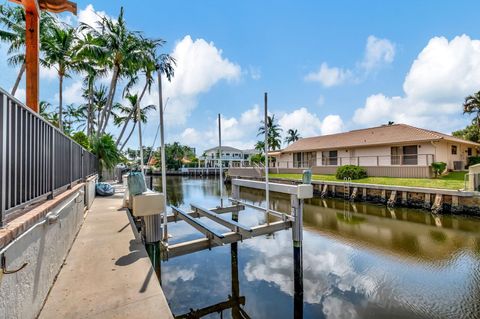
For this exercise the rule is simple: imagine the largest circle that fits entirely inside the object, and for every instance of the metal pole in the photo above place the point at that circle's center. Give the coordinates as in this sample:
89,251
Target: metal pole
267,193
3,158
162,154
220,158
297,237
140,136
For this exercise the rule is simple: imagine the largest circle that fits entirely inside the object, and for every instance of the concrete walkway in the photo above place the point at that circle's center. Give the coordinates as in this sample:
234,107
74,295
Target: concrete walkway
107,273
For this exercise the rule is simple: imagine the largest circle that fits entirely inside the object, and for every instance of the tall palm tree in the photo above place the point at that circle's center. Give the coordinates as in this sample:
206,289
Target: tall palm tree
292,136
121,48
274,137
59,53
260,146
126,110
472,106
13,21
90,58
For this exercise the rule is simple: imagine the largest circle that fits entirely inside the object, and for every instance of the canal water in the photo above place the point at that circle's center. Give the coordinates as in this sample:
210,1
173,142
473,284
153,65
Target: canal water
359,261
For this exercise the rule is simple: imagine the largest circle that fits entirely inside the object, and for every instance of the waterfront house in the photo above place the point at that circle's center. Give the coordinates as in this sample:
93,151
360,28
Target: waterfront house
397,150
231,157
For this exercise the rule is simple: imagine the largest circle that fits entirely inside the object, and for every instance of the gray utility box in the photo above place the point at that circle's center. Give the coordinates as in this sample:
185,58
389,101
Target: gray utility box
473,178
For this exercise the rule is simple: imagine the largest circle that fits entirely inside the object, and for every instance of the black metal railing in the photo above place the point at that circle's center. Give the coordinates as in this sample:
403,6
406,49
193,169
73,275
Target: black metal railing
37,160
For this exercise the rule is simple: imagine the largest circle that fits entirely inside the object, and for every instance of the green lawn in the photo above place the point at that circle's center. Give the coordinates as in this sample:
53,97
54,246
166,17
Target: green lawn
453,180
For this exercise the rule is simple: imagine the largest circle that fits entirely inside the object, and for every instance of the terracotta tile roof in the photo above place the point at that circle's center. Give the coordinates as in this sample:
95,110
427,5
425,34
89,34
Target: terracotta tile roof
381,135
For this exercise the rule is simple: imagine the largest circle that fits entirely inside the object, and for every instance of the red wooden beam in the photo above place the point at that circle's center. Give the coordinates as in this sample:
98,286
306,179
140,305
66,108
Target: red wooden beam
32,45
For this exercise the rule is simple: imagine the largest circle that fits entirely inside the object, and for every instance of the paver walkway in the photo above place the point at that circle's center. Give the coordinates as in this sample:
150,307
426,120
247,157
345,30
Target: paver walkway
107,273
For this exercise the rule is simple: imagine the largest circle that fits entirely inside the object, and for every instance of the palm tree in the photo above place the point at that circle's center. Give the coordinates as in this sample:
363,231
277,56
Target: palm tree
106,151
472,105
292,136
274,138
59,51
90,59
13,19
121,49
260,146
126,110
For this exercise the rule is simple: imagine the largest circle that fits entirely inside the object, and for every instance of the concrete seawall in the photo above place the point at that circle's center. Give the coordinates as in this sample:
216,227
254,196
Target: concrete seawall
42,244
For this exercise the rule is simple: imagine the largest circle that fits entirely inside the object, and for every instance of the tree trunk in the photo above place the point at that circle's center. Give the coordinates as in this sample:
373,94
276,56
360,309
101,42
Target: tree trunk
108,107
19,78
131,113
128,137
90,111
60,103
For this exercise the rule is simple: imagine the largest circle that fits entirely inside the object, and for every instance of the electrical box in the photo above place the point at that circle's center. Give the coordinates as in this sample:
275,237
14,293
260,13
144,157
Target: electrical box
147,204
304,191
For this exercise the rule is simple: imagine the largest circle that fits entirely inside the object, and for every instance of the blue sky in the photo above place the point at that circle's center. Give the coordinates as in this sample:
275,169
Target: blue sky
327,66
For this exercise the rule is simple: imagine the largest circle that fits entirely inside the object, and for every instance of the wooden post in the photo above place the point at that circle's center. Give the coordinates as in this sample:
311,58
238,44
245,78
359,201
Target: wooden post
32,26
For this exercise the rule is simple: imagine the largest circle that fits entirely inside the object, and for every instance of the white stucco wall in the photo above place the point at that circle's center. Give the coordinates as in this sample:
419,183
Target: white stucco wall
44,247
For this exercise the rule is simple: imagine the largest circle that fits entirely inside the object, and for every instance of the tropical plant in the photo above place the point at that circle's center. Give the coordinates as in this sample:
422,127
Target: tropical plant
104,148
122,49
58,48
472,106
260,146
439,168
469,133
82,139
127,110
90,58
292,136
351,171
274,130
13,21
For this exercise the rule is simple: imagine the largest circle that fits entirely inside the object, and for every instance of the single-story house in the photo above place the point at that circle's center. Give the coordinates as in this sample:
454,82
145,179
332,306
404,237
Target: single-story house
231,157
397,150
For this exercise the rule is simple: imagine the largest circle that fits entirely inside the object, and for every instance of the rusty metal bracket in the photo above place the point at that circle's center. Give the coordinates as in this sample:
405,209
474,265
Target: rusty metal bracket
4,270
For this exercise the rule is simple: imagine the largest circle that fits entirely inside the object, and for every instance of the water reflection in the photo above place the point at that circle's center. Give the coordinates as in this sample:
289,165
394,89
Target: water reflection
360,261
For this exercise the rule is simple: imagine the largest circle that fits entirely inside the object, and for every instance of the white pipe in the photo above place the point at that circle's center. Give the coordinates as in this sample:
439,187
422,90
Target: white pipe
267,193
220,157
162,154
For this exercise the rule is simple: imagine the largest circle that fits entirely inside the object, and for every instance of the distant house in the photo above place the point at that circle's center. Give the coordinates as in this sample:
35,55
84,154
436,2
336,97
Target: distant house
390,150
231,157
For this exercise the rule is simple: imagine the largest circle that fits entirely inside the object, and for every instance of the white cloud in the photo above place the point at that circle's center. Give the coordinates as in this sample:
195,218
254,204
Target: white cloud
308,124
72,93
255,72
378,52
438,80
328,76
321,100
332,124
90,16
199,66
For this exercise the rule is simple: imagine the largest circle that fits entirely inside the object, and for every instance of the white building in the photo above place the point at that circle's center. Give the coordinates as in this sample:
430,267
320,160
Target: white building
231,157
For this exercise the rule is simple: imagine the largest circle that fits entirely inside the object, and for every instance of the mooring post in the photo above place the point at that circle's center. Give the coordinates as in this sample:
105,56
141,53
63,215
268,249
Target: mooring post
153,236
297,236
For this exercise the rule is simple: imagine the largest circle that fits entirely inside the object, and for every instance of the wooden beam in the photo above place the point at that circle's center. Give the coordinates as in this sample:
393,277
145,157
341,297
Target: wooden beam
32,28
212,235
245,231
192,246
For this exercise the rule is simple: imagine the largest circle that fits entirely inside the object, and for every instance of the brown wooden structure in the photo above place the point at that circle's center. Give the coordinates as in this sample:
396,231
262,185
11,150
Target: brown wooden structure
32,45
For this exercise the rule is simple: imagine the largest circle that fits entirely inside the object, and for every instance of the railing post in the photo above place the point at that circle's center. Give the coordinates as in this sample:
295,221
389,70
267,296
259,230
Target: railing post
81,165
52,164
3,162
71,164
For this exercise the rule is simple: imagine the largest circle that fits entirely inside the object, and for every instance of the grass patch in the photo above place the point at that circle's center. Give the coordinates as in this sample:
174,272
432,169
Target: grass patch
453,180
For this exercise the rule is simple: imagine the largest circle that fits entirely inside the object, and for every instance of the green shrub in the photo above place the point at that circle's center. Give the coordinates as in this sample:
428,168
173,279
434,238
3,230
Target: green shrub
472,160
351,171
439,168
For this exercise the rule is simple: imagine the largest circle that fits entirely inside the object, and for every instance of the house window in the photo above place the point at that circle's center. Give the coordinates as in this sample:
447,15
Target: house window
454,149
470,151
330,158
410,155
395,155
304,159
